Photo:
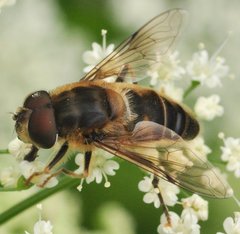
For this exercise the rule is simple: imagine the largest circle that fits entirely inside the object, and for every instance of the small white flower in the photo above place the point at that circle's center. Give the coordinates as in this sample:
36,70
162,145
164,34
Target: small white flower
41,226
9,177
187,225
200,148
98,52
208,71
101,166
207,108
170,90
168,70
195,205
168,191
29,168
231,154
232,226
18,148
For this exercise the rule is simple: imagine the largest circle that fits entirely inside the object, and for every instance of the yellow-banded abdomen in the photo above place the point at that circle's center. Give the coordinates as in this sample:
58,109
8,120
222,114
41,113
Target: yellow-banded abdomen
149,105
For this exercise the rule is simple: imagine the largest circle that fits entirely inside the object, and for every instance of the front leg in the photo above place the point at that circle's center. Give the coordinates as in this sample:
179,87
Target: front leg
32,155
61,153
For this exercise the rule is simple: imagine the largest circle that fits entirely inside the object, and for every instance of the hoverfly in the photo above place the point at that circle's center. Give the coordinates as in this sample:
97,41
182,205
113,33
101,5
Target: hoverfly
132,122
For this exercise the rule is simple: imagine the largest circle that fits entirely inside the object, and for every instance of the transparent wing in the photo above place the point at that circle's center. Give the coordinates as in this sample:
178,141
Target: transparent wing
162,152
144,49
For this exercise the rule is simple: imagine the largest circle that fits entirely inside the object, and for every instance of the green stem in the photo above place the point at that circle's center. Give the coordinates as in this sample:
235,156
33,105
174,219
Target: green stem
65,183
192,86
4,151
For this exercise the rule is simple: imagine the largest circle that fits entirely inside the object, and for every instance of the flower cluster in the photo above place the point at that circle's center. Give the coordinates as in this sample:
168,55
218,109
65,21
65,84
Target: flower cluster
195,208
10,176
231,153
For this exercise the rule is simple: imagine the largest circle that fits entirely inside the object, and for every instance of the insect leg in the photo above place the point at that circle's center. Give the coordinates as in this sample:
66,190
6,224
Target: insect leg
165,208
31,156
54,161
122,75
87,155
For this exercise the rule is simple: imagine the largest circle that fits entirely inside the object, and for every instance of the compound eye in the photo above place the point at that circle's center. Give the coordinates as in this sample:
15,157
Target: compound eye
41,126
42,129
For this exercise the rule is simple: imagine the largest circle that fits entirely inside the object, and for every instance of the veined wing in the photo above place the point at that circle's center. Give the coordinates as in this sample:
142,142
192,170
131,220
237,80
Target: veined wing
144,49
162,152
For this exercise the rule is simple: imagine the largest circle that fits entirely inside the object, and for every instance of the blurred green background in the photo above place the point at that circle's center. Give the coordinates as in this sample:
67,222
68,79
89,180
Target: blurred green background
41,46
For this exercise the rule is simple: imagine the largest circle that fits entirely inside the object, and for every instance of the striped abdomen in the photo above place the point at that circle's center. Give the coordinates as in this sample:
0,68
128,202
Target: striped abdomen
148,105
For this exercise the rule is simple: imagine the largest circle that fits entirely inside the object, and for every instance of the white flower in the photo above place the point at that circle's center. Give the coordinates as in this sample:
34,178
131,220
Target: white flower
168,70
232,226
195,205
172,91
231,154
18,148
29,168
9,177
207,108
200,148
187,225
168,191
42,226
208,71
98,52
101,166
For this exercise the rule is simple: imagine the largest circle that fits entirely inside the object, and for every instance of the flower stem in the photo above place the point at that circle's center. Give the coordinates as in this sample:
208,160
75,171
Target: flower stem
65,183
192,86
4,151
